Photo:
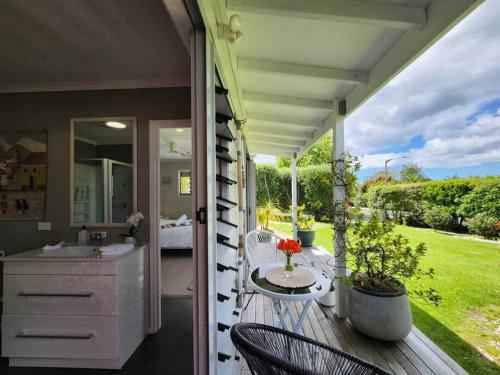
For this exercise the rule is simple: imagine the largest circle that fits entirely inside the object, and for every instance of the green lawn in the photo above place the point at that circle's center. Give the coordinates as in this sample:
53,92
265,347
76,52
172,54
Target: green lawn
466,324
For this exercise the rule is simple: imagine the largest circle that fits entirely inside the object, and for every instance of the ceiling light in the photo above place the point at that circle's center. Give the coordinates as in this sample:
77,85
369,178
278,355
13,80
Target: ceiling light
179,130
116,124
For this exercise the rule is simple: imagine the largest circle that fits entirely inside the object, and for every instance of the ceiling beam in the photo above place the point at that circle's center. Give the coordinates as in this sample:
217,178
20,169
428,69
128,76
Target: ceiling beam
264,132
266,151
257,97
276,141
354,11
265,129
279,122
266,145
309,71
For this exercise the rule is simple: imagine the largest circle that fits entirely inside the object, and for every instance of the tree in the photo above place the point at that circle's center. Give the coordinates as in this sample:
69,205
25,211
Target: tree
412,172
378,178
320,153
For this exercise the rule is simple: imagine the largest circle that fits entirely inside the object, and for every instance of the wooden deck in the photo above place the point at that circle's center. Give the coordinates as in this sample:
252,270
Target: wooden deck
416,354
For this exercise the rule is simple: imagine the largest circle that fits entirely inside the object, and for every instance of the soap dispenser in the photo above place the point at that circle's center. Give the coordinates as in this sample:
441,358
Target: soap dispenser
83,236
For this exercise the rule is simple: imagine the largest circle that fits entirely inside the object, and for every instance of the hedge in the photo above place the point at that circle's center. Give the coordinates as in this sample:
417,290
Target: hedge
314,187
462,199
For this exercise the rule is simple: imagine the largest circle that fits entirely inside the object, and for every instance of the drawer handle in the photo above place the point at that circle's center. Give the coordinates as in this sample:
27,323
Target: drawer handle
25,335
41,294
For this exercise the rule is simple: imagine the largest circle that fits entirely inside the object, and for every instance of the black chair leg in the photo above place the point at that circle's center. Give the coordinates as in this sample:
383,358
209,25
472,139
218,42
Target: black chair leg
248,302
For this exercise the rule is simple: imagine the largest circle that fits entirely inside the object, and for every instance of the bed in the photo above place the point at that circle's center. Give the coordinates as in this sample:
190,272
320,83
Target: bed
175,237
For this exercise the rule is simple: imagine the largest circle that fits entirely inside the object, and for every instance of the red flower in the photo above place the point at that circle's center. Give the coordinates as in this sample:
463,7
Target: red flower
289,247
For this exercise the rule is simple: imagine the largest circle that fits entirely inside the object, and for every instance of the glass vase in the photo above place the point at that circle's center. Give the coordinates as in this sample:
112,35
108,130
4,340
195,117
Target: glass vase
289,264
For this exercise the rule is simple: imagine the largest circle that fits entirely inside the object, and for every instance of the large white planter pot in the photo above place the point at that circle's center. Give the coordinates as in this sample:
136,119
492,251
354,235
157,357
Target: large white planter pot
328,299
383,317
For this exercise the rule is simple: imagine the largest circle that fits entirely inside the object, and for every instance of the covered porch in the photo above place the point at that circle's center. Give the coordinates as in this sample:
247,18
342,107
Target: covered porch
416,354
296,70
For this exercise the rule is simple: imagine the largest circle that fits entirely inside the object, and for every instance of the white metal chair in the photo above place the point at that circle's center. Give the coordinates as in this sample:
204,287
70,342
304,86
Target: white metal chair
260,247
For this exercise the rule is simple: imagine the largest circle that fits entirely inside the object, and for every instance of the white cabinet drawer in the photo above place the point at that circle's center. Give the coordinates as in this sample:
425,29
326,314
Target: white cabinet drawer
60,295
31,336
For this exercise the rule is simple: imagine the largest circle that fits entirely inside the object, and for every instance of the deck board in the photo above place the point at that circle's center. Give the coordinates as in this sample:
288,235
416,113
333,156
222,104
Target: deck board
414,355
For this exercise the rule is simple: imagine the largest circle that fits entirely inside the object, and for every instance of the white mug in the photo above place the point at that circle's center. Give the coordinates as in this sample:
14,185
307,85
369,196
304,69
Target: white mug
2,253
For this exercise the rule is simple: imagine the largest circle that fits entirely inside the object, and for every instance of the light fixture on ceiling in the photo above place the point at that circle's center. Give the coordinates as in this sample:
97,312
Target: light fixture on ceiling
179,130
115,125
231,32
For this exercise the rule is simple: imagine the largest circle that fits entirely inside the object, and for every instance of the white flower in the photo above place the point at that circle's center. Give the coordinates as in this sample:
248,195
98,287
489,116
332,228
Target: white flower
135,219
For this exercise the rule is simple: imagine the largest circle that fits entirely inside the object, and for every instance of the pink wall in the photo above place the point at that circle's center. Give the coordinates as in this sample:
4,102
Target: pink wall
53,111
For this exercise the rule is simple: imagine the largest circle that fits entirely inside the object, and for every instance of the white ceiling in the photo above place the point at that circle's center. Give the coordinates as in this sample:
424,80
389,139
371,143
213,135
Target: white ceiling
68,43
297,58
175,143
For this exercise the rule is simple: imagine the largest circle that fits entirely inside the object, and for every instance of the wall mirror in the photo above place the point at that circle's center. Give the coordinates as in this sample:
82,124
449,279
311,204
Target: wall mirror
103,171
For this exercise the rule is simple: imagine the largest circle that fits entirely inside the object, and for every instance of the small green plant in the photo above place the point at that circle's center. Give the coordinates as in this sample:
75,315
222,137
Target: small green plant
439,217
384,261
484,225
268,212
304,222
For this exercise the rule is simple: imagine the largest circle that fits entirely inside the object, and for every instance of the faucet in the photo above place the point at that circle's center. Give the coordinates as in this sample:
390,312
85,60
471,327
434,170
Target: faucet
96,238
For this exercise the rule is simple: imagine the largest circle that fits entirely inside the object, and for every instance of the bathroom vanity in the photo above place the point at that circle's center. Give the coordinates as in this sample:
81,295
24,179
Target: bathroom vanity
73,308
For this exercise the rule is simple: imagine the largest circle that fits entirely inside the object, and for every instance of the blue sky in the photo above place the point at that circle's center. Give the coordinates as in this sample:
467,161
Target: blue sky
442,112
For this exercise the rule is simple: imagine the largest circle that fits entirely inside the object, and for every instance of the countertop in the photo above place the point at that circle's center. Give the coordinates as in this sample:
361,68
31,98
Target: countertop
38,256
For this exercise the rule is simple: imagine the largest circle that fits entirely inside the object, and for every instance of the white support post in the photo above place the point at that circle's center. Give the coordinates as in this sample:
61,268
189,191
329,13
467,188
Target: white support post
294,195
339,212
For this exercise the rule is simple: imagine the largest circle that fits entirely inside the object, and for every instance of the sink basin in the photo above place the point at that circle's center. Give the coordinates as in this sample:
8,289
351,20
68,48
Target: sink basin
73,252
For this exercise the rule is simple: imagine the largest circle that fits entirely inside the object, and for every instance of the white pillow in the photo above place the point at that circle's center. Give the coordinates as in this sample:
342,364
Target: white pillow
181,220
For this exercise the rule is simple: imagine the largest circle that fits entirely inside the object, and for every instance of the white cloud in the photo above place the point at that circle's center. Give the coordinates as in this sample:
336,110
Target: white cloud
477,144
434,97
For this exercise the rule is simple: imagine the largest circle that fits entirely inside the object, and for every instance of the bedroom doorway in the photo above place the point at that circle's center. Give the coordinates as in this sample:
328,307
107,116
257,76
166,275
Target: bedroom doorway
175,235
171,212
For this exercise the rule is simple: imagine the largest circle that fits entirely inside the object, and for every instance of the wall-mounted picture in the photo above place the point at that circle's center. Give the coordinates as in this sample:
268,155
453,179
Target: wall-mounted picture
23,174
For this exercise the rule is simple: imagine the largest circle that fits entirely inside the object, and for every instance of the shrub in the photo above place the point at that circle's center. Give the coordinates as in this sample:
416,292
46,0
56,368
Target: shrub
484,198
449,193
404,202
266,213
484,225
439,217
304,222
268,183
317,187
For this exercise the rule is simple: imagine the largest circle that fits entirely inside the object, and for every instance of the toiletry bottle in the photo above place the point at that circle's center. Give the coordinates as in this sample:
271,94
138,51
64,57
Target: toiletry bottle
83,236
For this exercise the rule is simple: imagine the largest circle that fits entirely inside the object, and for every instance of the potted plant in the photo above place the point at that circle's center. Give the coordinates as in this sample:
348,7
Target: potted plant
382,262
135,221
305,227
266,213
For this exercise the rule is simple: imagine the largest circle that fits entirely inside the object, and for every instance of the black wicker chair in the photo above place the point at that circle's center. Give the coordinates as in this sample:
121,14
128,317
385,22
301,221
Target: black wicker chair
269,351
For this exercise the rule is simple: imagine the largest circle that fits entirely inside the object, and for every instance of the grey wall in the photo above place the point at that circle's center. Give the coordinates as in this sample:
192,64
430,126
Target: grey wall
53,111
172,205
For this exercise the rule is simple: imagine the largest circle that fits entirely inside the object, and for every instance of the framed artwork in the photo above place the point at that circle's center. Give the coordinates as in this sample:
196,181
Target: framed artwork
23,174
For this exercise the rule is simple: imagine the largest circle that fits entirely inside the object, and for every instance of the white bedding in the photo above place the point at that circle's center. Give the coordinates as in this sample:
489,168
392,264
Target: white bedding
176,237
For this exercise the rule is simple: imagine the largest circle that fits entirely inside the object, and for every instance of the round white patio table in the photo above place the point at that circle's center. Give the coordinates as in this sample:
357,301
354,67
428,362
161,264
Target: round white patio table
282,297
